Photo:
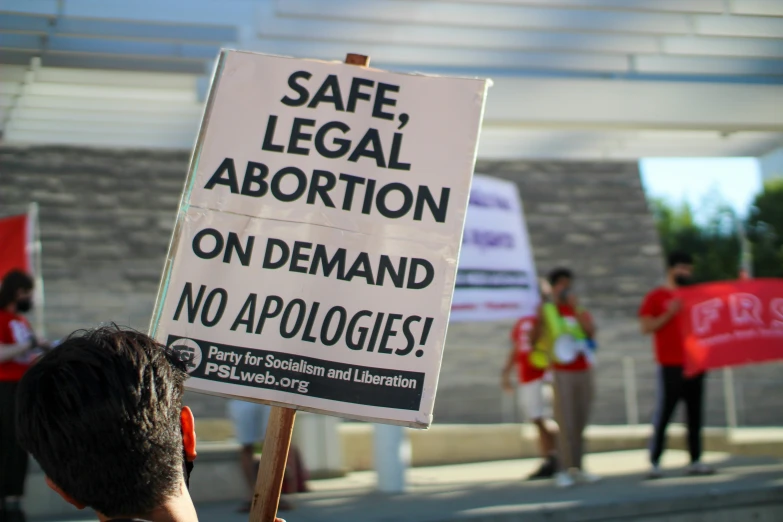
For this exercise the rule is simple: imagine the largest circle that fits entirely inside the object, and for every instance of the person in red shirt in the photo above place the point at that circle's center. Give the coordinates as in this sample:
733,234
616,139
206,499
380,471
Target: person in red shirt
573,378
659,315
530,392
17,352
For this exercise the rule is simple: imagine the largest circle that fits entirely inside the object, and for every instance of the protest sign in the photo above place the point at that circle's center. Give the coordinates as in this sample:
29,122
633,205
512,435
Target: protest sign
314,256
732,323
496,278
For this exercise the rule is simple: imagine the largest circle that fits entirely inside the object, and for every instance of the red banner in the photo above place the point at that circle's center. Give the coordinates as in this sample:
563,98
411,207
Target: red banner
732,323
13,244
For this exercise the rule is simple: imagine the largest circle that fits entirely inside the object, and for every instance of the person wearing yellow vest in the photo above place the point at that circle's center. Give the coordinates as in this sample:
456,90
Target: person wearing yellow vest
532,391
563,337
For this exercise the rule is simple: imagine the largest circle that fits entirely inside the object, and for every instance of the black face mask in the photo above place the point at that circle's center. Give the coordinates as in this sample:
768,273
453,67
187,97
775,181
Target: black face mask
683,280
24,305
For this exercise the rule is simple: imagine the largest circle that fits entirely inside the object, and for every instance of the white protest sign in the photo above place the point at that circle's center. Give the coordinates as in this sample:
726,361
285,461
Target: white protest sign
315,251
497,276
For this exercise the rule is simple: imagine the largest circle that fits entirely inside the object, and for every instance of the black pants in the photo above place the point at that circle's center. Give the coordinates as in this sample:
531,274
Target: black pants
673,387
13,459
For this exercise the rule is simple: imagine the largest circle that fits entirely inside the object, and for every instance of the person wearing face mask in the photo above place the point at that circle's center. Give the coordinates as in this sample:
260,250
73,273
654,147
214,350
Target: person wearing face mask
103,416
570,327
659,316
18,350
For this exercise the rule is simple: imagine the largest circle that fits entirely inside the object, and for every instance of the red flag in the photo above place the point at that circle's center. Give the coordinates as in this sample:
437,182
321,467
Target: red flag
13,244
732,323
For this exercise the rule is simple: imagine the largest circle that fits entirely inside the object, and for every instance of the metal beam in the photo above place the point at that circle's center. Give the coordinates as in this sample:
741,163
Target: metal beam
757,7
412,56
722,46
106,46
150,138
127,94
429,12
457,38
24,23
707,65
150,107
124,63
526,143
615,104
115,78
33,7
674,6
752,26
146,31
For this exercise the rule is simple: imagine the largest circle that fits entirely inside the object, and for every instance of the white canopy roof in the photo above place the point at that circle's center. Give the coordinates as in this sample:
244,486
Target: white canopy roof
576,79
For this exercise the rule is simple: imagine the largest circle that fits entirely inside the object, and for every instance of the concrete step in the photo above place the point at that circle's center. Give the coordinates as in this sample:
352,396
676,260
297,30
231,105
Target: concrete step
744,489
445,444
218,476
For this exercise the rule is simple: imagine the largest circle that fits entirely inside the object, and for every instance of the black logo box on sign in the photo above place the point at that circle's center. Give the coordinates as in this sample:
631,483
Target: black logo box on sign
301,375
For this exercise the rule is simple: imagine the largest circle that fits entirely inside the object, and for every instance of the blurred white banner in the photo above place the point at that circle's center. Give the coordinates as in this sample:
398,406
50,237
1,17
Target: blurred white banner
496,277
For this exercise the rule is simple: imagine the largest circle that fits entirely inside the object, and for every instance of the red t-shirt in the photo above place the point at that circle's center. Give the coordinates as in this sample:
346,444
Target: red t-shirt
669,348
580,363
520,336
14,329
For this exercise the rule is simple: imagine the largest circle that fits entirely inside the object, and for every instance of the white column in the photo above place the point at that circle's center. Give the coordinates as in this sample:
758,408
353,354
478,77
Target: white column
631,396
318,440
392,457
729,398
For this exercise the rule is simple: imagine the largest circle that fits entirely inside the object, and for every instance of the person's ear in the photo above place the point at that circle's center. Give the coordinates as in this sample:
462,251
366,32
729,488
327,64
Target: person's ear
66,497
188,425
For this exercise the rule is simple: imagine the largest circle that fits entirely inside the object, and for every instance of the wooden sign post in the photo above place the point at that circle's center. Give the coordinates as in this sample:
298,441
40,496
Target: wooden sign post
277,440
269,482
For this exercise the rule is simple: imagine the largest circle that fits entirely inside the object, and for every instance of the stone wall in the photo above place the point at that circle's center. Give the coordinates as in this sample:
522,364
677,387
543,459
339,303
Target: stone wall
106,218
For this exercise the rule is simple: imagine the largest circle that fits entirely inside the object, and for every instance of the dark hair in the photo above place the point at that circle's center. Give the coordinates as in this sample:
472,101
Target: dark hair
101,414
13,281
559,273
679,258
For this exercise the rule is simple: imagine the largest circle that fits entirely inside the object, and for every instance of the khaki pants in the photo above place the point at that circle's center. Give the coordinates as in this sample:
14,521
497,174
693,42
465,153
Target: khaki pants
573,399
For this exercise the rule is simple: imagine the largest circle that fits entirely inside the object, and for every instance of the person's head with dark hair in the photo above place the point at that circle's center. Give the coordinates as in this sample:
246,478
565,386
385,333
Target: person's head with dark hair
103,415
560,280
16,292
679,269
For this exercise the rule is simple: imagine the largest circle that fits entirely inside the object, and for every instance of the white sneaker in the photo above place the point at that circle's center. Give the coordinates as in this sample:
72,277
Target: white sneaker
563,479
584,477
655,472
699,468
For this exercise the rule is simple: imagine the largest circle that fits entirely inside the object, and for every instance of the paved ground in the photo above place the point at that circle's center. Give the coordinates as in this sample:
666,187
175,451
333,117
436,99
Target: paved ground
487,490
